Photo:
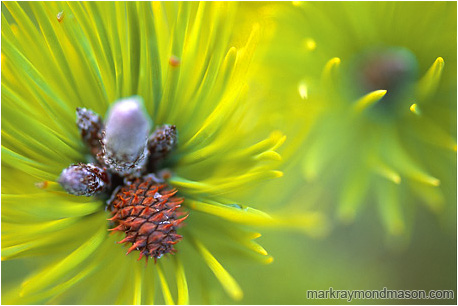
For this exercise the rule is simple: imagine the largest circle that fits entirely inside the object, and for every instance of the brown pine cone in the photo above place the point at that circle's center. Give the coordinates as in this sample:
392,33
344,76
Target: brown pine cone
148,214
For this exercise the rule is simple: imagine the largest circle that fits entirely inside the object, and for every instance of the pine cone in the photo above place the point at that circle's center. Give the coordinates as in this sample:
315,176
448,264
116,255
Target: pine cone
146,212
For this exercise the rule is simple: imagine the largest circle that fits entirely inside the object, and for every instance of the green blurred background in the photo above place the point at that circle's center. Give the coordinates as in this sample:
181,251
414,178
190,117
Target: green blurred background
359,255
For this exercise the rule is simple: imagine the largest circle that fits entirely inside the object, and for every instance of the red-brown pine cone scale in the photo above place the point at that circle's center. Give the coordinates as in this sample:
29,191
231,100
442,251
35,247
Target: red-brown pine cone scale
148,215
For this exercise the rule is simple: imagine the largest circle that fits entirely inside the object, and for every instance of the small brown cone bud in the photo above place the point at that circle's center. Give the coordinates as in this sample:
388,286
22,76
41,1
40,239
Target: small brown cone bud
162,141
90,126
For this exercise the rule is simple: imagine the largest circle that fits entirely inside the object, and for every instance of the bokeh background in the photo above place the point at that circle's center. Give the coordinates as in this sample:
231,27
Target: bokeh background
299,38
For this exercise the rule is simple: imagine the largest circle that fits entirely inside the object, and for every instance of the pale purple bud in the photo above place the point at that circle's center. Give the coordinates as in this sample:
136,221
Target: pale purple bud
84,179
126,135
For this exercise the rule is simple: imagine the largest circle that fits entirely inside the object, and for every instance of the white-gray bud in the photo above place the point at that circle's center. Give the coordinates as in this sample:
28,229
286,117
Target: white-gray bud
84,179
126,135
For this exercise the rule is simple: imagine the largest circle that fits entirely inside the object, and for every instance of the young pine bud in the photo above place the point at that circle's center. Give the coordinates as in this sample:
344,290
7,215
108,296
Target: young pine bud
162,141
84,179
90,126
125,139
